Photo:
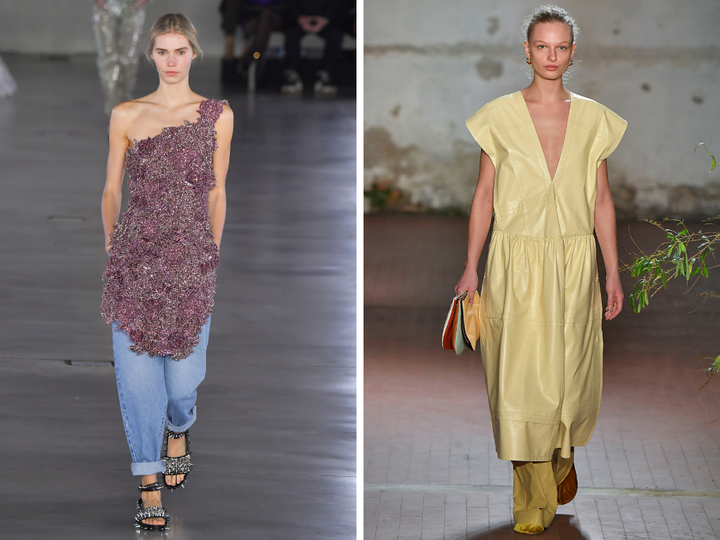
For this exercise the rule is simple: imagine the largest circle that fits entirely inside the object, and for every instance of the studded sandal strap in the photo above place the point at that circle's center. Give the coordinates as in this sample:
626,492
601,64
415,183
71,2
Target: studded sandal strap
153,512
177,465
157,486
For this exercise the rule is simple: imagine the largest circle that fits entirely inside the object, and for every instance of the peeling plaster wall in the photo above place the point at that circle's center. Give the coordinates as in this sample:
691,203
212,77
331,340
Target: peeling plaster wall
430,65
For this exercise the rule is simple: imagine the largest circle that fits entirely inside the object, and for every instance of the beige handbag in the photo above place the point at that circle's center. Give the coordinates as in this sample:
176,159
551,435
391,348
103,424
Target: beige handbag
462,325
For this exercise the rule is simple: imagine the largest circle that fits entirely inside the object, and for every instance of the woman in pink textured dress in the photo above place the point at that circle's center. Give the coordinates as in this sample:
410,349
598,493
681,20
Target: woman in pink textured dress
160,275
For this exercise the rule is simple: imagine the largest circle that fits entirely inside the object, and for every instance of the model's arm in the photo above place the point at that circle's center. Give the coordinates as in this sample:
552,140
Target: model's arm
112,194
221,160
607,238
480,218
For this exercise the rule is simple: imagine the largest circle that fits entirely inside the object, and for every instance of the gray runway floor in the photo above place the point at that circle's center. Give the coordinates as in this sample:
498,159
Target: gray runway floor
274,445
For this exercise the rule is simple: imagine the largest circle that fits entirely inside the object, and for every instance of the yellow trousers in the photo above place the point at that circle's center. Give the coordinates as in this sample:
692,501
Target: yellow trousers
535,497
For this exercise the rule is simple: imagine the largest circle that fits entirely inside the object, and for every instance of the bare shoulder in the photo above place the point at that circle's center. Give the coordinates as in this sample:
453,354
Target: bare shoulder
125,113
136,107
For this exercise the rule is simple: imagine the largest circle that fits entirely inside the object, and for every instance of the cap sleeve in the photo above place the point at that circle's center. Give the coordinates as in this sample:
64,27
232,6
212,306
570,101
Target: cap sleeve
481,128
211,109
611,129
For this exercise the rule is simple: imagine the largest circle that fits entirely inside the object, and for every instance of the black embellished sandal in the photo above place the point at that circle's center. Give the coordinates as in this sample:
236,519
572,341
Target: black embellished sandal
177,465
151,512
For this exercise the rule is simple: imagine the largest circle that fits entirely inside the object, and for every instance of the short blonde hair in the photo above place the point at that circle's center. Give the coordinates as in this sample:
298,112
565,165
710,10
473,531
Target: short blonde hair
173,23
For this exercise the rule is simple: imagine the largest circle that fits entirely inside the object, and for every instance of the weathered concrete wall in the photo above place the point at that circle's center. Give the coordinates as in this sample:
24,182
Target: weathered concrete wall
430,65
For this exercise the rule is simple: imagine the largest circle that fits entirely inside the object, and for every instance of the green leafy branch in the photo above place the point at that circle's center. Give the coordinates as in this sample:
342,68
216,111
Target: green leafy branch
682,254
713,370
713,161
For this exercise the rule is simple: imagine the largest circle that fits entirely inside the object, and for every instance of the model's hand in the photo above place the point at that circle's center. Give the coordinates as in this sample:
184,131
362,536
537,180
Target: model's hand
468,282
615,296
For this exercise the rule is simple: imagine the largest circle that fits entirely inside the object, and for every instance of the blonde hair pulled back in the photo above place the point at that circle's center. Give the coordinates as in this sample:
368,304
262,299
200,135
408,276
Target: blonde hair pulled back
173,23
550,13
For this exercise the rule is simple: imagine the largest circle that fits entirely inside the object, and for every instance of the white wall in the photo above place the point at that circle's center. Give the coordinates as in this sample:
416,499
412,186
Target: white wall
64,26
429,65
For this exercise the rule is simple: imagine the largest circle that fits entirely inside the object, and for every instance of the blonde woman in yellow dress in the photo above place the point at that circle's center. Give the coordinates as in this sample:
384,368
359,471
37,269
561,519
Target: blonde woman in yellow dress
543,175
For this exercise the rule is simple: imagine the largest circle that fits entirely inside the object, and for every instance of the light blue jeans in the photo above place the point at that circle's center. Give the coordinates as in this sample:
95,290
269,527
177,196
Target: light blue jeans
154,392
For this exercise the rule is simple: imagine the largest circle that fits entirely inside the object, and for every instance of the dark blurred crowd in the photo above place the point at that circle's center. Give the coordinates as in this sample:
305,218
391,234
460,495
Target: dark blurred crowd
329,19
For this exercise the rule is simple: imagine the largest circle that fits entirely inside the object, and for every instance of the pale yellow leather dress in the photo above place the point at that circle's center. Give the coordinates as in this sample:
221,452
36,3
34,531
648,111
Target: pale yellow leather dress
540,307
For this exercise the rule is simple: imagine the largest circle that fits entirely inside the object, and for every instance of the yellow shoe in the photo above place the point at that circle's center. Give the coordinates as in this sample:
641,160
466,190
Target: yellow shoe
528,528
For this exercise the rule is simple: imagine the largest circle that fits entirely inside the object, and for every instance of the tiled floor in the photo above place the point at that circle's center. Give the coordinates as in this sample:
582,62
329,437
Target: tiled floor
652,469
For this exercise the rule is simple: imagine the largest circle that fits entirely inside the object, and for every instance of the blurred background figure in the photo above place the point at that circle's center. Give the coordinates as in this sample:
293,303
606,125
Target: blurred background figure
117,25
7,83
324,18
350,18
258,19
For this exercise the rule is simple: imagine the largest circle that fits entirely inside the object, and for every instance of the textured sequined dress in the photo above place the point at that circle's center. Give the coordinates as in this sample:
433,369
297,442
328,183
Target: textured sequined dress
161,272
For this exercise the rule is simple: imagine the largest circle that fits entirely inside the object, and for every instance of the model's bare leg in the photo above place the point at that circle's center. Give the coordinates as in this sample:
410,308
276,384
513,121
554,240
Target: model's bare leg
151,498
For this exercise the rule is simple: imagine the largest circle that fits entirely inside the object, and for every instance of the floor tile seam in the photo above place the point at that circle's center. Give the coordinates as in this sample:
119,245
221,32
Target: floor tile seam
622,522
608,459
675,523
589,491
636,460
702,452
687,511
669,462
636,506
647,461
691,469
624,451
598,519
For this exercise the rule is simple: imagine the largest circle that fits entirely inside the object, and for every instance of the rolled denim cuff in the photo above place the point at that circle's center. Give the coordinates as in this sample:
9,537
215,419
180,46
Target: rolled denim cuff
186,425
147,468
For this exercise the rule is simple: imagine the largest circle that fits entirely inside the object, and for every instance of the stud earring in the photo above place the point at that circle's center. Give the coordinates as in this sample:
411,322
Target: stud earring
571,62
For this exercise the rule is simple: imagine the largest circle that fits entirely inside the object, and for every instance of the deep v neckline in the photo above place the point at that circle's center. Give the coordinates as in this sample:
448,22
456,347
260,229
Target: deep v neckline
539,148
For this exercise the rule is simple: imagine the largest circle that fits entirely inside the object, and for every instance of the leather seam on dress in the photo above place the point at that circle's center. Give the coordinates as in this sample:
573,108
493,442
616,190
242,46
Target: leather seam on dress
542,238
549,324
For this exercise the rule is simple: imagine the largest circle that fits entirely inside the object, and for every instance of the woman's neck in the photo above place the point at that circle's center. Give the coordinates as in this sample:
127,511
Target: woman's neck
174,95
546,90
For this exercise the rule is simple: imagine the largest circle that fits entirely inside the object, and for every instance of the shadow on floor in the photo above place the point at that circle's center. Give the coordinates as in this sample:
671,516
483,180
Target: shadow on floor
562,528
